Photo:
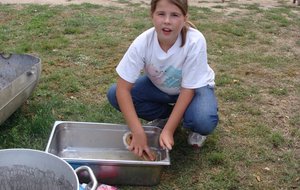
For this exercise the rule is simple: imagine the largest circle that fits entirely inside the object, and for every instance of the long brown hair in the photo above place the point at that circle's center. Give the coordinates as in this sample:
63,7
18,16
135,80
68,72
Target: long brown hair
183,6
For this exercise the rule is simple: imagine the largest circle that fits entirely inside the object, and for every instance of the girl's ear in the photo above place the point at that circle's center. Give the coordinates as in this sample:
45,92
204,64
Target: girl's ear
151,18
186,17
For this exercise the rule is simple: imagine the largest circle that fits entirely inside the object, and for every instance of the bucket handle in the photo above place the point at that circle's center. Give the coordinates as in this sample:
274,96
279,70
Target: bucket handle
91,175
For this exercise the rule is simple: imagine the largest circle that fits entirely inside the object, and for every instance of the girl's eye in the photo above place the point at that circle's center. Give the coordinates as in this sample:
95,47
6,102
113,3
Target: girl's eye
175,15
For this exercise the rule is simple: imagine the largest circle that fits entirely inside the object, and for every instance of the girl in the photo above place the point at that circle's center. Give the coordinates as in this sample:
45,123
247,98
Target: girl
177,81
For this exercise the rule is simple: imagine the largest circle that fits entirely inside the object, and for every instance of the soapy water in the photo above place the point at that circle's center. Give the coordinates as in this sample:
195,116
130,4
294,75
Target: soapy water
3,82
7,75
20,177
10,70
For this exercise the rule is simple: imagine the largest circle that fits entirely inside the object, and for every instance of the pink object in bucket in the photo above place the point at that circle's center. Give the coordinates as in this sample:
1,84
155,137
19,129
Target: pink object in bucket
106,187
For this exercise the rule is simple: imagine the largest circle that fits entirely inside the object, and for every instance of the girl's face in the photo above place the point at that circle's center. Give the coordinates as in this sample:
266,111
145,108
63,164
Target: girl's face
168,21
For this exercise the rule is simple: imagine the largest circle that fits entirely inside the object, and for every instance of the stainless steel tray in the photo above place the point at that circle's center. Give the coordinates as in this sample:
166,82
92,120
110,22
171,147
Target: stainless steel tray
100,146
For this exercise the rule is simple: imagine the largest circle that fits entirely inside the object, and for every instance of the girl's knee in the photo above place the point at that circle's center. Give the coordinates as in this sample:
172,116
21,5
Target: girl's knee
111,96
202,114
208,125
203,125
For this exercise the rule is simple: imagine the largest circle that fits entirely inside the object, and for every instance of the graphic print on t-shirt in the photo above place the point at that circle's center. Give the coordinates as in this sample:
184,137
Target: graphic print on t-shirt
155,74
172,77
169,77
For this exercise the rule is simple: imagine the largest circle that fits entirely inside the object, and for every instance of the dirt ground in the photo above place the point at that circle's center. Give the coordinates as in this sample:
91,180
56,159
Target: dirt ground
204,3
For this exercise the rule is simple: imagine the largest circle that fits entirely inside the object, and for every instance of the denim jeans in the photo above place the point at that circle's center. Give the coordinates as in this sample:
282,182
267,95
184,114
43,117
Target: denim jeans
201,116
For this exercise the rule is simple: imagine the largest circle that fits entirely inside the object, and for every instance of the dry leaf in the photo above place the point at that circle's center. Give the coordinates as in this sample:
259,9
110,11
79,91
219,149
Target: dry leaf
258,178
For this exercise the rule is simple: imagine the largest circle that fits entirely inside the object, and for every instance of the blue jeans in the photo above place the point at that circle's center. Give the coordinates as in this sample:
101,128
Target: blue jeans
201,116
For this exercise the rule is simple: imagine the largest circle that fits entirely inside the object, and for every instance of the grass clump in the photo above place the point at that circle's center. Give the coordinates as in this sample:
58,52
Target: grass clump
277,139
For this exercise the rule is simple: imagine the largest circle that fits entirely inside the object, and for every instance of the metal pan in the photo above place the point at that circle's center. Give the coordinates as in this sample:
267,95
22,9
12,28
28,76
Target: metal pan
100,146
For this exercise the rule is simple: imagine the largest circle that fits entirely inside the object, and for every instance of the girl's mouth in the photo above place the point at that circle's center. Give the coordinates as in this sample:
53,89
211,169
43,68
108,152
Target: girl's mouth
166,31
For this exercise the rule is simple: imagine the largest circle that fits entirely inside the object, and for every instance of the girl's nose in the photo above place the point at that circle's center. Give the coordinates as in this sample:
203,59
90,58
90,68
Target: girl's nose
167,19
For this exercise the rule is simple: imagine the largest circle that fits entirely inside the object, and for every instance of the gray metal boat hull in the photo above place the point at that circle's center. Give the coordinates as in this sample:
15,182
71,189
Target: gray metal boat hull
19,75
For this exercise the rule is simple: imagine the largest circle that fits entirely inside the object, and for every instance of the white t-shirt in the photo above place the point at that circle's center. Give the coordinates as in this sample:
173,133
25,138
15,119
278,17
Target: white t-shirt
185,66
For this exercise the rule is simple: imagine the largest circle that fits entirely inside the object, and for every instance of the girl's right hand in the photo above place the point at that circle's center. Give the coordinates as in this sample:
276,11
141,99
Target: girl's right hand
139,145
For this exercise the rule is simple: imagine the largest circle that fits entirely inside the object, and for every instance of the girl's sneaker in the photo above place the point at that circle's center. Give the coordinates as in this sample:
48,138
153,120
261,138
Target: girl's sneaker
196,140
158,123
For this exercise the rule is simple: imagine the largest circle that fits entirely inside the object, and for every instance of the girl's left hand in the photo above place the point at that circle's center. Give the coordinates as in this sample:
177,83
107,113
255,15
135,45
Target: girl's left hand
166,139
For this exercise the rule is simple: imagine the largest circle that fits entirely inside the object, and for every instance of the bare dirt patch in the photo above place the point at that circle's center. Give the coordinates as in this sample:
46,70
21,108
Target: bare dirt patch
205,3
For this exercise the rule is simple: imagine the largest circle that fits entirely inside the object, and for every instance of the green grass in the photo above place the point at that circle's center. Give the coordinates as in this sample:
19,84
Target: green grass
254,52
